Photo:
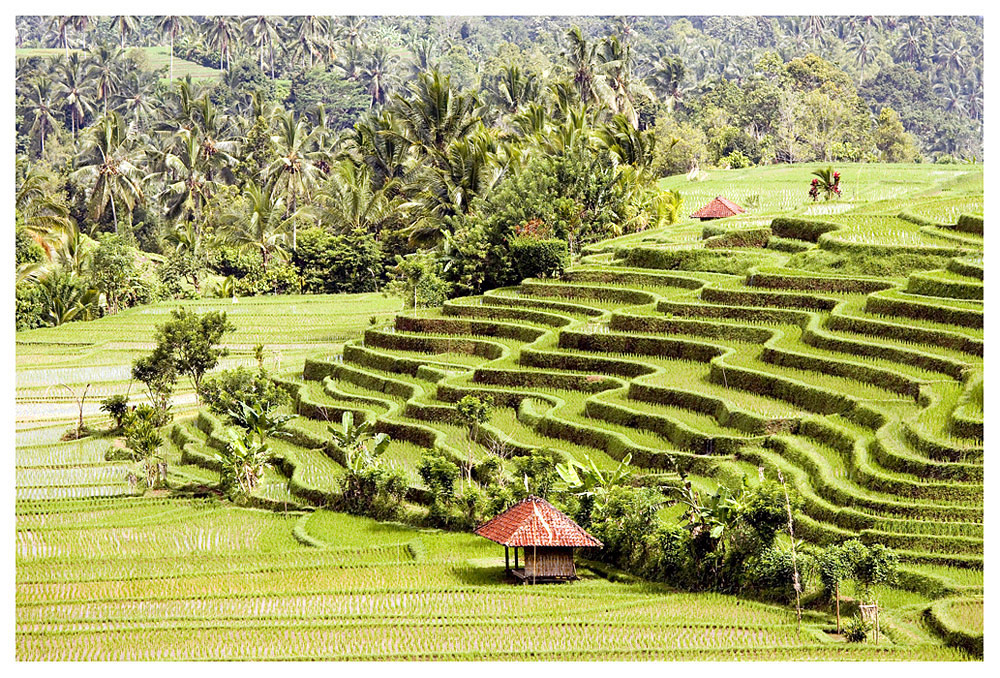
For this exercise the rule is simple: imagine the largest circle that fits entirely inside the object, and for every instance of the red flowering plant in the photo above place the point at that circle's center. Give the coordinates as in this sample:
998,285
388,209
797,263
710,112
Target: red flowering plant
827,181
533,228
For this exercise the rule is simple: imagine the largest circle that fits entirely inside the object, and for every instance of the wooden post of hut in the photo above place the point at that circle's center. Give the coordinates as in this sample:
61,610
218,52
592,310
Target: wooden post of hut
546,536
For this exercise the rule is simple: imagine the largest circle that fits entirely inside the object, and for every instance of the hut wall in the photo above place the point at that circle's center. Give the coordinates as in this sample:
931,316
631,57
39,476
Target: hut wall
548,561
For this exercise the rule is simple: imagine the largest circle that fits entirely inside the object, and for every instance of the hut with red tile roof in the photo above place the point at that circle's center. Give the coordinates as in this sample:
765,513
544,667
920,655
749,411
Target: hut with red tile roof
720,208
546,537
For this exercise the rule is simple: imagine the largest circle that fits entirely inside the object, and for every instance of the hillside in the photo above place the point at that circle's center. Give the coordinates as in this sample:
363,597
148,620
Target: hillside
762,341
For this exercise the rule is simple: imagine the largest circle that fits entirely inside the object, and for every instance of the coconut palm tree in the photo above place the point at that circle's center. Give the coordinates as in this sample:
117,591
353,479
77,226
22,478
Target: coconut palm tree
43,110
104,72
171,27
109,165
378,75
80,24
908,46
125,24
294,172
74,88
61,25
380,143
43,216
583,60
220,33
434,114
190,171
309,34
865,48
261,224
350,200
951,54
616,62
138,99
261,32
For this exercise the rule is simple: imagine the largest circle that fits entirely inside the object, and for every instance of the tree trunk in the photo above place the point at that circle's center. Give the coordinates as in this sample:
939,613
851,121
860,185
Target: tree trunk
114,212
837,593
171,57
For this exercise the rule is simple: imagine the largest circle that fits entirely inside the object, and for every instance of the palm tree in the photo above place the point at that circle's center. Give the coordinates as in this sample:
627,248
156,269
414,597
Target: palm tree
951,54
814,26
583,62
513,89
62,25
43,216
435,114
220,33
125,24
865,49
350,200
262,32
908,46
309,34
381,144
108,163
74,89
378,75
104,72
80,24
616,63
262,224
42,109
172,26
294,173
190,169
138,98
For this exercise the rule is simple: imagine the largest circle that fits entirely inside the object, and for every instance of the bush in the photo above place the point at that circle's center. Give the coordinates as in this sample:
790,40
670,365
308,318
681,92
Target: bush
439,475
223,391
856,630
377,491
534,258
330,264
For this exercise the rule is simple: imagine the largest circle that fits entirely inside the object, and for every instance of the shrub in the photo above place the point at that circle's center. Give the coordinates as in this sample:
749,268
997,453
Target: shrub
856,630
535,258
222,391
439,475
116,407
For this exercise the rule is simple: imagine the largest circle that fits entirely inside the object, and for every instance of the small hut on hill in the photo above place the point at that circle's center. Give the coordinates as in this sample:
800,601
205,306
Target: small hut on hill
546,537
720,208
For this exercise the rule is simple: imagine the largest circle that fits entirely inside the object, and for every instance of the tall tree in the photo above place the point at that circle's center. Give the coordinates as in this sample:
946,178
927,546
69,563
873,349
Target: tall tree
75,89
220,33
171,27
294,172
125,24
109,164
43,110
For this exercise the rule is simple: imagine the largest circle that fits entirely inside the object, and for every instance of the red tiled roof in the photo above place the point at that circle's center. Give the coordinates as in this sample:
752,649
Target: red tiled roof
718,209
535,522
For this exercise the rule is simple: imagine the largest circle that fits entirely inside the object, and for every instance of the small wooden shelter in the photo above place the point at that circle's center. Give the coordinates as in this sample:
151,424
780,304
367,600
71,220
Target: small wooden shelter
720,208
546,537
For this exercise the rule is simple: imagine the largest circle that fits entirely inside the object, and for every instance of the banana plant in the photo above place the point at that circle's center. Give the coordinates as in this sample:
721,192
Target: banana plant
260,421
353,442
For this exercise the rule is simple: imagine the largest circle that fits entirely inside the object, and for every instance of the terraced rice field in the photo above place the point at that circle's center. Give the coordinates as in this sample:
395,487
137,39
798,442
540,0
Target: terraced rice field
866,392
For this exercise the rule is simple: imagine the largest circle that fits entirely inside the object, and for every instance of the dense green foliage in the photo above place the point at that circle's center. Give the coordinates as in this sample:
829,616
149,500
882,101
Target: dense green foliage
395,134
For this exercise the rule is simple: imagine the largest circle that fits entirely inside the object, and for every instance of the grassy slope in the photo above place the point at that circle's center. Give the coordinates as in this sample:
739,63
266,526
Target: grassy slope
159,57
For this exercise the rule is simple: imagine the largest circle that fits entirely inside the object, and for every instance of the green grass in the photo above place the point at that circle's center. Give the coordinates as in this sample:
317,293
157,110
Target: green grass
157,57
